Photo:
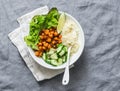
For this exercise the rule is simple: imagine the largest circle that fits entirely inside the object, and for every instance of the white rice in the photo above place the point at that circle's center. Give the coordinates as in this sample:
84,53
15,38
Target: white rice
70,35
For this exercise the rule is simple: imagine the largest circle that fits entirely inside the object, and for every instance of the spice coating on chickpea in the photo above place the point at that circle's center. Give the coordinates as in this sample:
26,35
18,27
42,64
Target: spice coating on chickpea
49,38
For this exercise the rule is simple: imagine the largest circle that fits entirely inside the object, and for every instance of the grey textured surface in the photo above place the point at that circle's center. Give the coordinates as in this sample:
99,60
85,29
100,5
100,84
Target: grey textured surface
98,69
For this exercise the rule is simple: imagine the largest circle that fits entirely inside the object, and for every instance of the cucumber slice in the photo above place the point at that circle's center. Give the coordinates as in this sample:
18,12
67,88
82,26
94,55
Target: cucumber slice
54,62
59,48
64,58
59,45
57,56
65,48
51,51
48,56
62,52
54,56
44,56
59,61
48,61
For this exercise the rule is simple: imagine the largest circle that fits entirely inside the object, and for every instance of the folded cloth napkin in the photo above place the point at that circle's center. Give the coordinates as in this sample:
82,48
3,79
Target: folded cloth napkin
39,72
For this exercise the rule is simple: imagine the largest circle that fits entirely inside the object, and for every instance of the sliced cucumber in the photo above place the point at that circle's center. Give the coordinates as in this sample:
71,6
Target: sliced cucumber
48,61
54,56
54,62
51,51
59,48
65,48
62,52
48,56
44,56
64,58
59,45
59,61
57,56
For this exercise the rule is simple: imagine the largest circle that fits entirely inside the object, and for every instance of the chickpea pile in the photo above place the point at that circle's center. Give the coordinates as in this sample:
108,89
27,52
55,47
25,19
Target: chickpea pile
49,38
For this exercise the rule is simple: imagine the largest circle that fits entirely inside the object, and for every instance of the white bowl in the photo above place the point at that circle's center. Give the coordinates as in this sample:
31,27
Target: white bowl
73,58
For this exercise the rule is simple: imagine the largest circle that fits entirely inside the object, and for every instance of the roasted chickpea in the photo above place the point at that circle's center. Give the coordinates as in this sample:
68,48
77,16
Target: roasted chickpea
44,47
46,32
42,34
50,29
43,42
44,37
60,41
53,42
40,44
46,44
40,48
55,33
52,32
41,37
49,46
40,54
56,38
60,36
48,40
50,35
37,53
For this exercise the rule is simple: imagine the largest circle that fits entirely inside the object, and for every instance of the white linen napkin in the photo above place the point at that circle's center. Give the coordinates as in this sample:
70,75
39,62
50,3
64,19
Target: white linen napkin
39,72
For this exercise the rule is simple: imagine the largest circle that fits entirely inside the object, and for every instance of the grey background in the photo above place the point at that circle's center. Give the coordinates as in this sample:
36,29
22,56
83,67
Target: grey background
98,69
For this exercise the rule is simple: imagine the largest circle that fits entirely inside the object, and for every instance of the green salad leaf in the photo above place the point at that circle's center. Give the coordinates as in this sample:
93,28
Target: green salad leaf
38,23
52,18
